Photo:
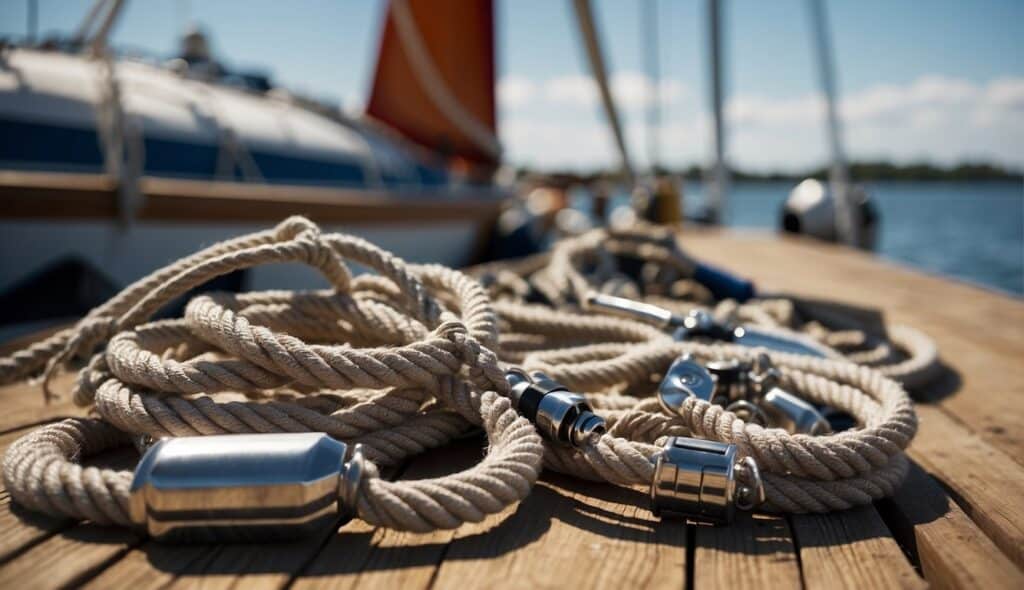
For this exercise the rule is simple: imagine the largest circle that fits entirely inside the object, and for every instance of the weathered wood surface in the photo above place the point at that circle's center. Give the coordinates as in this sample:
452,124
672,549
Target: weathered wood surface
46,195
957,524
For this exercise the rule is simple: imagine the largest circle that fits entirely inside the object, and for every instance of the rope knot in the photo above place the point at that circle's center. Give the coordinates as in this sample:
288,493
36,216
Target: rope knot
294,226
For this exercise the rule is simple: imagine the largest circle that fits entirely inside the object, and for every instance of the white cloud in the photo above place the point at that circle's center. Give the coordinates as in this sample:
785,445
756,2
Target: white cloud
515,91
932,117
632,90
573,90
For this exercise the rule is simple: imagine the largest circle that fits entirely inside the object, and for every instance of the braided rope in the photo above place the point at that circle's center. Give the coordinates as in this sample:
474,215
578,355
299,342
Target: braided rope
409,358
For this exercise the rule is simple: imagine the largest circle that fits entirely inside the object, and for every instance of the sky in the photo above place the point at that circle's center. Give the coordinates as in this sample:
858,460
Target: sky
939,80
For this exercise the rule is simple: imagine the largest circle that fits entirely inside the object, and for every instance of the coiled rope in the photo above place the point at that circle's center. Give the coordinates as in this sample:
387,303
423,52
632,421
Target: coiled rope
405,360
593,262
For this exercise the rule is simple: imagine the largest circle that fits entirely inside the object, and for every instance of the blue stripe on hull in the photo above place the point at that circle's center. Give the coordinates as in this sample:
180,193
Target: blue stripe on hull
52,147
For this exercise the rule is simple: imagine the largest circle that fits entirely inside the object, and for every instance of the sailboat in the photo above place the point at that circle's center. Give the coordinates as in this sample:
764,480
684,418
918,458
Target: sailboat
120,165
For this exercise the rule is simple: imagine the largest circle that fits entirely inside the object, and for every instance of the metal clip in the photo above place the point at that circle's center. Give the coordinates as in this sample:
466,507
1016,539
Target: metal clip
244,487
559,414
793,414
703,480
685,379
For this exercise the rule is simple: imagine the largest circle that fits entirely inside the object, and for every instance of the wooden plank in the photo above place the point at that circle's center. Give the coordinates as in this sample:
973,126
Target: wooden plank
23,404
977,331
35,195
565,527
366,556
157,565
952,550
21,529
985,482
569,531
68,558
754,552
851,549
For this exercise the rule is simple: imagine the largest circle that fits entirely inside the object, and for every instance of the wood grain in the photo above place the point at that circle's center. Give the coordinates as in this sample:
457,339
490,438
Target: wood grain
852,549
755,552
67,558
34,195
985,482
952,550
568,531
23,404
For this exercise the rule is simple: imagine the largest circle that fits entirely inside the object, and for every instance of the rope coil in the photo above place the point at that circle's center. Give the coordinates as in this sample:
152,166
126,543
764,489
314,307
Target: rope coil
406,360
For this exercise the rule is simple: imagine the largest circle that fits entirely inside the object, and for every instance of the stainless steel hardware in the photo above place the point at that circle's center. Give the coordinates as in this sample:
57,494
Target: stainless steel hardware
686,378
793,414
559,414
701,324
244,487
703,481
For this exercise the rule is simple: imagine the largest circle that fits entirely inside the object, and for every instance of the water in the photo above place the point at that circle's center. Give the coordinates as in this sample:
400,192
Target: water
972,231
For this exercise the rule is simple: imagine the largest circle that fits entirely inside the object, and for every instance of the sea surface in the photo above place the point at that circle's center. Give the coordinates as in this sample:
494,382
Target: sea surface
972,231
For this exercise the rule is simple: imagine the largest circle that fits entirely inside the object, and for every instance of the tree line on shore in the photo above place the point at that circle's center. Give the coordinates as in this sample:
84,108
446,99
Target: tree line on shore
859,172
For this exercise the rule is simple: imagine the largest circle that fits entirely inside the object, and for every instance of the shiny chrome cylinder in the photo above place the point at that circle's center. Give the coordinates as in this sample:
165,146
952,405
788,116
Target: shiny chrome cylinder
632,309
694,479
559,414
792,343
241,487
793,414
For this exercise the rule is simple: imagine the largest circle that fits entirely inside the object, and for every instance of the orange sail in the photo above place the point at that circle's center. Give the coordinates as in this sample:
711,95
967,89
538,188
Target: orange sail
434,81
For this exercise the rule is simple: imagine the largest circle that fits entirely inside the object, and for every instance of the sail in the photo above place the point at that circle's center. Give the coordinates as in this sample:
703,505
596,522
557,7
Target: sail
435,75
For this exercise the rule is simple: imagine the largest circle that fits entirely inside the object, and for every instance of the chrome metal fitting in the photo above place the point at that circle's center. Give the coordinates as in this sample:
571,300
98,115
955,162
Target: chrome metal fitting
244,487
632,309
703,481
793,414
686,378
748,412
731,378
558,413
701,324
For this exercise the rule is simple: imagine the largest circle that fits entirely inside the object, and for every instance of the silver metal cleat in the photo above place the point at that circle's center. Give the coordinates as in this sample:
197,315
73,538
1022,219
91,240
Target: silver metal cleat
793,414
244,487
703,481
559,414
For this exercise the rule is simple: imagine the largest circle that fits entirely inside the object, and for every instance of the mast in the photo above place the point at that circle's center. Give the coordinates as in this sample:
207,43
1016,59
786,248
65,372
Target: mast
588,31
718,187
847,215
649,39
32,21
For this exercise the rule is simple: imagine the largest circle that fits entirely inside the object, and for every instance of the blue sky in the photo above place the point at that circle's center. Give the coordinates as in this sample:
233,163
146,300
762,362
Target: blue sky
938,80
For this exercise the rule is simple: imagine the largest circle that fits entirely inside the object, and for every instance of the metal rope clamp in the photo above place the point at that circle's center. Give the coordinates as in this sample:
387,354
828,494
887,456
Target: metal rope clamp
244,487
559,414
703,481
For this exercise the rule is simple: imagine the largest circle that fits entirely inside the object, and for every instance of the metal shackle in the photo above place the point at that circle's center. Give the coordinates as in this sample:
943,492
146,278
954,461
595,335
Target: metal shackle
697,479
686,378
559,414
244,487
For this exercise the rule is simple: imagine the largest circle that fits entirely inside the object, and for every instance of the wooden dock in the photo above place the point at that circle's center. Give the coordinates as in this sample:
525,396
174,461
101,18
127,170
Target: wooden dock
959,521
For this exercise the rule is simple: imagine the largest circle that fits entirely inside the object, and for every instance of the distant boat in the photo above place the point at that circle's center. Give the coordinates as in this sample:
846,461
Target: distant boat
127,164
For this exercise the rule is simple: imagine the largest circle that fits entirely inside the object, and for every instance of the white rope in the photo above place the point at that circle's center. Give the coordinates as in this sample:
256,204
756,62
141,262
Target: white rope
405,360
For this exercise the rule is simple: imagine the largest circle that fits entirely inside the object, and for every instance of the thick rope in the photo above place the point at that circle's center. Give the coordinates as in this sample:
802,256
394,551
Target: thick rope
411,357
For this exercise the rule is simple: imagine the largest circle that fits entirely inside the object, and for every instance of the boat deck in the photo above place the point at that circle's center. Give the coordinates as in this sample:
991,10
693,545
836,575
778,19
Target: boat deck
959,521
